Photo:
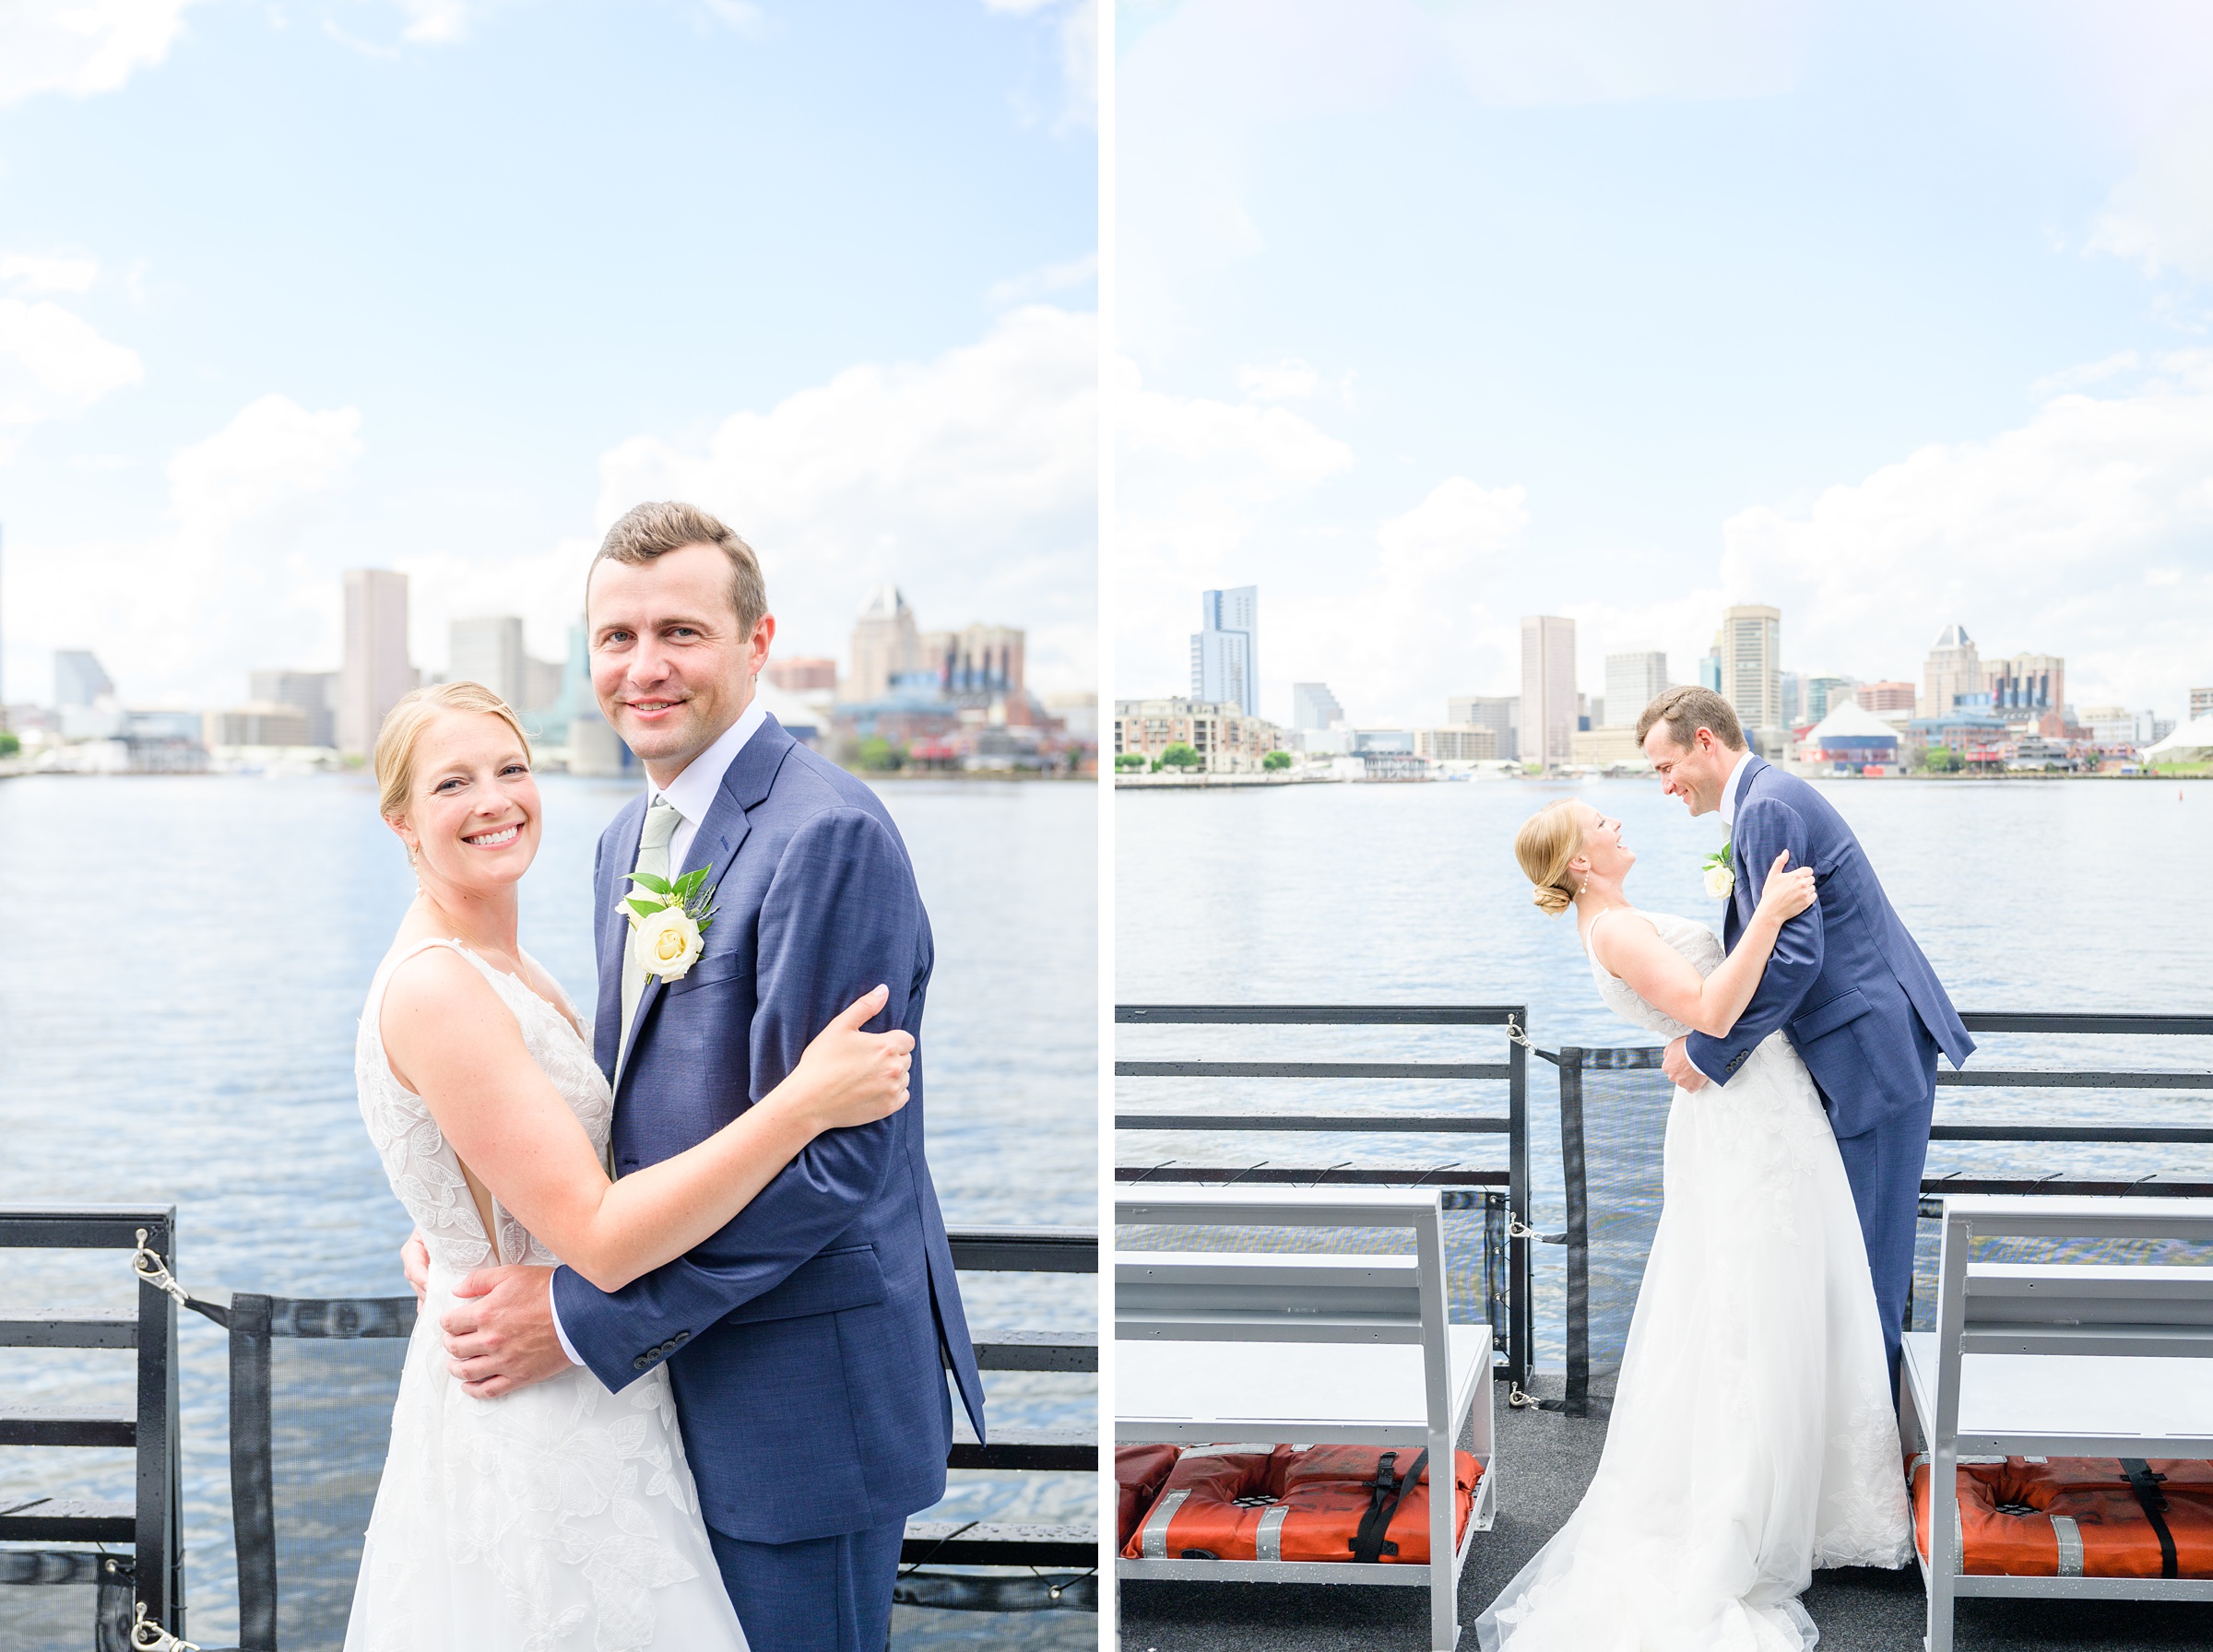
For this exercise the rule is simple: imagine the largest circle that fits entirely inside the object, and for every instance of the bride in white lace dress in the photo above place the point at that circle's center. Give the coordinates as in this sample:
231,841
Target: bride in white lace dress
1752,1436
559,1516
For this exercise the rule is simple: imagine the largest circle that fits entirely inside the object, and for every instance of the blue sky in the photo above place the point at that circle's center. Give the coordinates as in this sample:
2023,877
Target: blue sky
1433,315
445,285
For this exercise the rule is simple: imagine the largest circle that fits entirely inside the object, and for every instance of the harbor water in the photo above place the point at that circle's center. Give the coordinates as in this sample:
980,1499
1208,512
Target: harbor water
2026,895
184,967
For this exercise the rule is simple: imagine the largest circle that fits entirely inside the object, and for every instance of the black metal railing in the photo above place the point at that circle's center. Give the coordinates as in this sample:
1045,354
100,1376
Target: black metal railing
2201,1026
1507,1195
150,1519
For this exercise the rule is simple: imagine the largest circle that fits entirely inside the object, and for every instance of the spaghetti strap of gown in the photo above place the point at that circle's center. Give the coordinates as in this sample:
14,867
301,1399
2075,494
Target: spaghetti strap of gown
1752,1437
561,1518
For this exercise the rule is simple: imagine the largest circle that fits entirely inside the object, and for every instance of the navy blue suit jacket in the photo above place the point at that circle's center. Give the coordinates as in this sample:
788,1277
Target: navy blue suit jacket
1846,983
808,1339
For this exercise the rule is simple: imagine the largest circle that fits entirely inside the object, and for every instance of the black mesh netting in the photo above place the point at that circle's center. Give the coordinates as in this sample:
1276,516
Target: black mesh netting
69,1600
311,1386
1612,1136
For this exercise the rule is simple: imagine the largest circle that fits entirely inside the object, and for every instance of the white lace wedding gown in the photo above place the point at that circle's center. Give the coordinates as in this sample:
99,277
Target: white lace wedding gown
1752,1436
561,1515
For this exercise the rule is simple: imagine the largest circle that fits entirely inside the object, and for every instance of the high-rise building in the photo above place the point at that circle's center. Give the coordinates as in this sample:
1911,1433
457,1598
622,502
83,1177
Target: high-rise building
376,672
981,660
1751,649
313,694
77,677
1548,698
2201,704
1225,649
488,651
1793,701
1633,682
803,674
1498,712
1313,706
885,644
2025,686
1821,695
1710,665
1884,699
1952,669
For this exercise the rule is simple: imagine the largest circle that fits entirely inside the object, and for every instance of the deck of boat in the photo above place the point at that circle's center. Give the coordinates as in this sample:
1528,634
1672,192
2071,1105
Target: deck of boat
1546,1461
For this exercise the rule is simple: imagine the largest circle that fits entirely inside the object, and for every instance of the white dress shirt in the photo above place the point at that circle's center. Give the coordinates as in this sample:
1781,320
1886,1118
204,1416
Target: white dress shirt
1728,805
691,793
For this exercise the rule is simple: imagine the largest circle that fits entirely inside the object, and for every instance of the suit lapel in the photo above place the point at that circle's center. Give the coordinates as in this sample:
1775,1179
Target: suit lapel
746,783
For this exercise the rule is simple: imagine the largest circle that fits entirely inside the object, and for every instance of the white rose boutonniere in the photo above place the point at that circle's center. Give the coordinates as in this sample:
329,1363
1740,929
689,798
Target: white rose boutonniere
669,922
1720,874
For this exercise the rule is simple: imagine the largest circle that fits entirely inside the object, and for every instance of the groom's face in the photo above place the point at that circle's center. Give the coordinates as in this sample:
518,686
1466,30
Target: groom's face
1696,774
670,667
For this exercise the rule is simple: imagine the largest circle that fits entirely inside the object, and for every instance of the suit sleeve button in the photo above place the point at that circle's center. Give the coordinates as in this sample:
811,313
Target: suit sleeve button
639,1363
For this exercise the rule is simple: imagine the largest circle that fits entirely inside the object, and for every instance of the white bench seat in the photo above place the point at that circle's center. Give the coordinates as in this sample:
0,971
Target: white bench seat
1197,1392
2070,1405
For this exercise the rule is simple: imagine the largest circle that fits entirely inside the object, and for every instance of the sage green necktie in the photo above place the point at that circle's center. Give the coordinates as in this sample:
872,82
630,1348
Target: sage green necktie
661,821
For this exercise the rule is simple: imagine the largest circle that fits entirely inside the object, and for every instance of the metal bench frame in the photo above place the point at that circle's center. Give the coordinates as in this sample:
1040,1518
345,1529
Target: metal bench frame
1239,1298
1988,1309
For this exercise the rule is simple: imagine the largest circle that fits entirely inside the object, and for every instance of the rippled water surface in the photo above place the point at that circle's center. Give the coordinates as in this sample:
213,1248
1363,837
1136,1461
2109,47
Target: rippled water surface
183,966
2026,896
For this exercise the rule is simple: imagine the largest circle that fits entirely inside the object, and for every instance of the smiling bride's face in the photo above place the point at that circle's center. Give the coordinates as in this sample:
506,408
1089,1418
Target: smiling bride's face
472,815
1605,853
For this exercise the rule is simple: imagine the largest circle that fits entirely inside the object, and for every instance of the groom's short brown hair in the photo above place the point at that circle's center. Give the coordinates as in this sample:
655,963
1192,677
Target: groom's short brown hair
1688,709
648,531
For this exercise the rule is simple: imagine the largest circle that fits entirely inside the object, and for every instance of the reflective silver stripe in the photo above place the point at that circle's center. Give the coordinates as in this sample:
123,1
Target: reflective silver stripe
1153,1541
1921,1460
2036,1459
2070,1545
1268,1542
1229,1451
1959,1541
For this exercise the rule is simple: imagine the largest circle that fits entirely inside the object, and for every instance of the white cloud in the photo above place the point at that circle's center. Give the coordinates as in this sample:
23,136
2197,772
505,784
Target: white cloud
970,481
1286,381
28,272
2160,217
1574,51
1042,283
54,364
1079,42
235,579
2081,533
81,46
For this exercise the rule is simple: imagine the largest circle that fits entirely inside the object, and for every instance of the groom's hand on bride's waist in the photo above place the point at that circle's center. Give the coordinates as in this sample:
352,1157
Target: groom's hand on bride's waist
498,1334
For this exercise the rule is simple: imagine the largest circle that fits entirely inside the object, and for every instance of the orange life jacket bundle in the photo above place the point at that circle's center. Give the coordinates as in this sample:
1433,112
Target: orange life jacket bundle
2077,1516
1362,1503
1138,1472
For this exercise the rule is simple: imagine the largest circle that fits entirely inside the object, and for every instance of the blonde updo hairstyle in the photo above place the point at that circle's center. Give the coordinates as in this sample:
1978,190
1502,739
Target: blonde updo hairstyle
403,731
1547,841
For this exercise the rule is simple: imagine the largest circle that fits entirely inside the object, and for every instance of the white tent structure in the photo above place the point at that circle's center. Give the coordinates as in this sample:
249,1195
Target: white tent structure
2192,743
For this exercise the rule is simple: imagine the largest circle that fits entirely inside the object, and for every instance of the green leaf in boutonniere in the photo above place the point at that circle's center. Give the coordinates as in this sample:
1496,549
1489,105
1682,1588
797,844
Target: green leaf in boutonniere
1720,872
648,881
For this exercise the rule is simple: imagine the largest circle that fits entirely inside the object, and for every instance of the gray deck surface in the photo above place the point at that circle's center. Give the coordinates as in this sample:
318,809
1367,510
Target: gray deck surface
1546,1462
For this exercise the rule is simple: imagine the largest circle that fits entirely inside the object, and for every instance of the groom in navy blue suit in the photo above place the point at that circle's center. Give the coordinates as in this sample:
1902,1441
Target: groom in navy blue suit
1846,984
807,1342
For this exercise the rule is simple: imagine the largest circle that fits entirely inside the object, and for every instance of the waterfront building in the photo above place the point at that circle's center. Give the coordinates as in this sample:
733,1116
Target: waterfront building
1225,669
1462,743
1885,698
1313,706
259,722
1501,714
982,659
487,651
1822,695
376,672
803,674
1633,681
1849,740
1228,740
79,678
1393,765
313,694
1710,665
1613,746
1981,739
2027,685
884,645
1951,669
1077,715
1548,698
2201,704
1751,648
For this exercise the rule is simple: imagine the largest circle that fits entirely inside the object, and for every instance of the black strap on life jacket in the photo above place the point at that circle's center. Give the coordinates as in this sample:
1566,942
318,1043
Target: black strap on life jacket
2146,1485
1385,1493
